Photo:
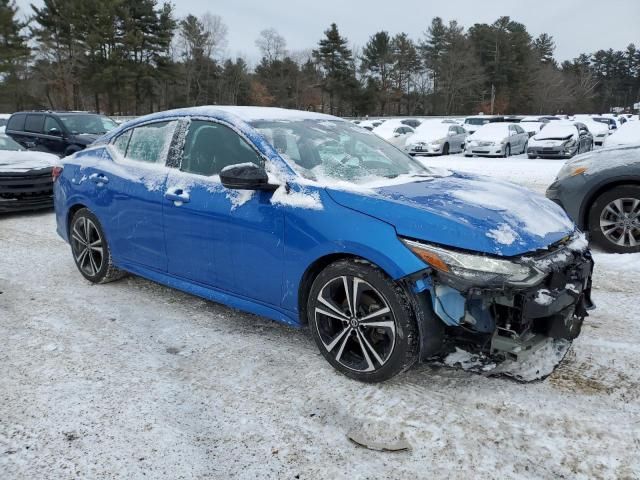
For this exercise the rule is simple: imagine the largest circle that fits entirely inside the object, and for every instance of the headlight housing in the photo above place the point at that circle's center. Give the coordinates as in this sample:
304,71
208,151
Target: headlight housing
475,269
571,169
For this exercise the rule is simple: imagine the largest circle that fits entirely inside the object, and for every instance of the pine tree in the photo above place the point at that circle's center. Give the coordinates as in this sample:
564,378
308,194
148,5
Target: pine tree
14,53
377,63
334,57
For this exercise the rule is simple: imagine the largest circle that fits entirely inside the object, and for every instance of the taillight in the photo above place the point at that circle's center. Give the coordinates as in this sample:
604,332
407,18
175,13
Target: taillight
56,172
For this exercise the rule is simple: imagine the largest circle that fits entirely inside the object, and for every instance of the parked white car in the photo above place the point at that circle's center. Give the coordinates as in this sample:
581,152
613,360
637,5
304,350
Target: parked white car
599,130
436,138
532,126
473,123
497,139
394,132
627,134
370,124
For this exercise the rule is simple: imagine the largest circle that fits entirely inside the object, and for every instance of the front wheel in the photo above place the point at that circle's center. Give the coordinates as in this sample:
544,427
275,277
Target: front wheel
361,321
445,149
90,249
507,151
614,219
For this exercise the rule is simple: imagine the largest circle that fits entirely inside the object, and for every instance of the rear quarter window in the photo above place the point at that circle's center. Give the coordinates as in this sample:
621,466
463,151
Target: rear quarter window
16,122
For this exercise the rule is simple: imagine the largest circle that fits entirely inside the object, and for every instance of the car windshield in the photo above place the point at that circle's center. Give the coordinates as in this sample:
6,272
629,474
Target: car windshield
89,123
7,143
324,150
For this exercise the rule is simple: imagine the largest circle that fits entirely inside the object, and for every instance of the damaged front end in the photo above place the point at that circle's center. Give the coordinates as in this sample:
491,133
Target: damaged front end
504,308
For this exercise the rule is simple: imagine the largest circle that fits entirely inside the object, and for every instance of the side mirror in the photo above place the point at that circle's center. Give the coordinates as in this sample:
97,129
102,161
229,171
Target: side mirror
55,132
246,176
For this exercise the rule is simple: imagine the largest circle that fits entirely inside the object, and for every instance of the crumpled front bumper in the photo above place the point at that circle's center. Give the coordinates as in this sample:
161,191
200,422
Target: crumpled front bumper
510,321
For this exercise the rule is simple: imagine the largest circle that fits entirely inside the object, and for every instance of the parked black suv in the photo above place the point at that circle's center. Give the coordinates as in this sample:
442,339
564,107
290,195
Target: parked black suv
61,133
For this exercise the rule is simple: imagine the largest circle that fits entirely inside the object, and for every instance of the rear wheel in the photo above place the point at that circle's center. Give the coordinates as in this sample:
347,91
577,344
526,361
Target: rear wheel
614,219
90,249
362,322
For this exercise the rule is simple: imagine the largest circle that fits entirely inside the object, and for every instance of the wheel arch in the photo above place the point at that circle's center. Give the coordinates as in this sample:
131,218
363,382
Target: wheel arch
314,270
599,190
71,212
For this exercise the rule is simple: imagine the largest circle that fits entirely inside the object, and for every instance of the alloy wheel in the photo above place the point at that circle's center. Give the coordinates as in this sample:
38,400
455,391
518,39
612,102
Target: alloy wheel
87,246
620,222
355,323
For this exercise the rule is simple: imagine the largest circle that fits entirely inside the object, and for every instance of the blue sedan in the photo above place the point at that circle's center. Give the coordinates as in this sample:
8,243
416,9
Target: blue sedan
311,220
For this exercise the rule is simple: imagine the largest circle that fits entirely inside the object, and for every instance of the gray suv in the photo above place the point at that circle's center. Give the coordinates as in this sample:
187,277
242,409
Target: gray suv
60,133
600,191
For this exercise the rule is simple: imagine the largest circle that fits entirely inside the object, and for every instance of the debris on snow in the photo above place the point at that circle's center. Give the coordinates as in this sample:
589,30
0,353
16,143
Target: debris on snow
382,438
539,365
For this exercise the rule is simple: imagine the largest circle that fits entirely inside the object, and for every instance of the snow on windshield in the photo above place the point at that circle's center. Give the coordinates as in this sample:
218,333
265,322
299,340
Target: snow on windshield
430,131
557,130
337,151
491,131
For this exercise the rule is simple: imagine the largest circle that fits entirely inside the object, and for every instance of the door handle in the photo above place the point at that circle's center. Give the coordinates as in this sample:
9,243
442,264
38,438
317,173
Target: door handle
98,178
177,196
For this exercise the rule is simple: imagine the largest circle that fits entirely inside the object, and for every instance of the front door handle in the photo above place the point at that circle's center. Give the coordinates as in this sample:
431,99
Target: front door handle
177,196
99,178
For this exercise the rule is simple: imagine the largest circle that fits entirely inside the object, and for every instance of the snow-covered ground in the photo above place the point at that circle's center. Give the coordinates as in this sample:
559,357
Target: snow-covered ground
135,380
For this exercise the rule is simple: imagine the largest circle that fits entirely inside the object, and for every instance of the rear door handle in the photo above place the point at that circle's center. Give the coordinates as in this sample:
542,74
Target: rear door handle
177,196
99,178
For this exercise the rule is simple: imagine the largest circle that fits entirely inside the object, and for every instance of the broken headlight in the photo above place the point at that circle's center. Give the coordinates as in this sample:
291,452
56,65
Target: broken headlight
475,269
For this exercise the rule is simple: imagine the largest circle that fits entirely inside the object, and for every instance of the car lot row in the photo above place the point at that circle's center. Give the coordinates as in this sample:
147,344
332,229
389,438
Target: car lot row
544,136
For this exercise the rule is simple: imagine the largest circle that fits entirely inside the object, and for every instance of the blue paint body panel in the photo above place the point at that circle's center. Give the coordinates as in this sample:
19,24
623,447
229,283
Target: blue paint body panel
254,256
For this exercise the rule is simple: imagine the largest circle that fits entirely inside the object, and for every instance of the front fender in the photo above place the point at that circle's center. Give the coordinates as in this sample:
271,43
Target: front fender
311,235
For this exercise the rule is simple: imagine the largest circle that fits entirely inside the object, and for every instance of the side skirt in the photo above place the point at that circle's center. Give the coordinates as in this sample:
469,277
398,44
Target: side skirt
215,295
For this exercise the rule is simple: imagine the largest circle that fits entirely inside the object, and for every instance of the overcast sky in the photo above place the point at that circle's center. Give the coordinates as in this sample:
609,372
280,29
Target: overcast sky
576,25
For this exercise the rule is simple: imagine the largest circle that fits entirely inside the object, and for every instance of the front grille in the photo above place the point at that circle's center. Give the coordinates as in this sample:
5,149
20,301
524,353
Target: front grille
19,190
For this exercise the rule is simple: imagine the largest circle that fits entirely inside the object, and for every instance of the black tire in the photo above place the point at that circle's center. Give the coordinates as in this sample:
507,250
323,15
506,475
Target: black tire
524,149
468,156
339,336
86,234
598,211
445,149
507,151
531,157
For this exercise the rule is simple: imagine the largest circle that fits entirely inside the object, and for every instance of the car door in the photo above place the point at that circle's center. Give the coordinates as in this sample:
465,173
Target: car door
231,240
52,136
453,138
462,133
33,126
129,193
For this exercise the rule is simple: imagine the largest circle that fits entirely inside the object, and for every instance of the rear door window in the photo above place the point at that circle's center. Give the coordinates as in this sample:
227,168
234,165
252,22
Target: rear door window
34,123
150,143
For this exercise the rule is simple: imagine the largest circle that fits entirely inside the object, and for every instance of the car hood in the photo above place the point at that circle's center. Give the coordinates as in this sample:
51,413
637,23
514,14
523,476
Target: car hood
84,138
17,161
464,211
